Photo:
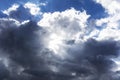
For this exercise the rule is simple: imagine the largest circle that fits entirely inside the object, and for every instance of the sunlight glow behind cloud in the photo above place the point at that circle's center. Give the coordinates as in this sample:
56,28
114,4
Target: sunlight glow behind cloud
63,26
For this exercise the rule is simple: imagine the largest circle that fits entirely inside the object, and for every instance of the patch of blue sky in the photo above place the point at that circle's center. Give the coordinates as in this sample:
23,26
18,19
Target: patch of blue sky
2,15
95,10
5,4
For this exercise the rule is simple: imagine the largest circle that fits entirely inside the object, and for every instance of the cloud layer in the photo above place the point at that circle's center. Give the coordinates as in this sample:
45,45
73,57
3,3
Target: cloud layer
66,45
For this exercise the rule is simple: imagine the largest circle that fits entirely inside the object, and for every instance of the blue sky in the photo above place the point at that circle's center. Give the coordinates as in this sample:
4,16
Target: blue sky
59,40
92,8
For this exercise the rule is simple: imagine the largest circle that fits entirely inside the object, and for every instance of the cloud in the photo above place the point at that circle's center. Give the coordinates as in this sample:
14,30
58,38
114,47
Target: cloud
94,58
68,38
22,12
63,26
109,24
63,45
4,73
34,9
20,45
12,8
112,7
18,12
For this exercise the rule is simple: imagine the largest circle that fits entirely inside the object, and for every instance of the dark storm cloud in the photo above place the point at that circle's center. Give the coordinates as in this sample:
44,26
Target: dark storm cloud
92,61
4,73
20,44
98,53
28,59
94,58
19,41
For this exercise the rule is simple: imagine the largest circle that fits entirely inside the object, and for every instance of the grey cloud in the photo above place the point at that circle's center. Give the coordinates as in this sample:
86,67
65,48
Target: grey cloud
20,44
28,59
94,58
4,73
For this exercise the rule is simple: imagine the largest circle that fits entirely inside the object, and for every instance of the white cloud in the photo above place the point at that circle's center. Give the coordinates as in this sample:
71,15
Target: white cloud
111,6
63,26
24,22
109,34
10,21
12,8
117,62
110,24
34,9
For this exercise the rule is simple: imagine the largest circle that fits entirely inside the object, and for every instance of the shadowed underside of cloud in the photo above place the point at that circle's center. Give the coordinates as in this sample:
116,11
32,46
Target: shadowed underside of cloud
58,47
23,56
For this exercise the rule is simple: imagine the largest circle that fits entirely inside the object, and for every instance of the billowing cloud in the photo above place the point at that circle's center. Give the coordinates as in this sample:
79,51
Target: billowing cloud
109,24
63,26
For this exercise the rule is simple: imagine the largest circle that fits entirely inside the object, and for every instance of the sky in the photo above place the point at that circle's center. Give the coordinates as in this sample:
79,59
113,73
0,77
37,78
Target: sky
59,40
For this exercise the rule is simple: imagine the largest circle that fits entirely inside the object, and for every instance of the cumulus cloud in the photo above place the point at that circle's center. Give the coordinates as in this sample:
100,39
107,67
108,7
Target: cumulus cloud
68,37
109,24
34,9
63,26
